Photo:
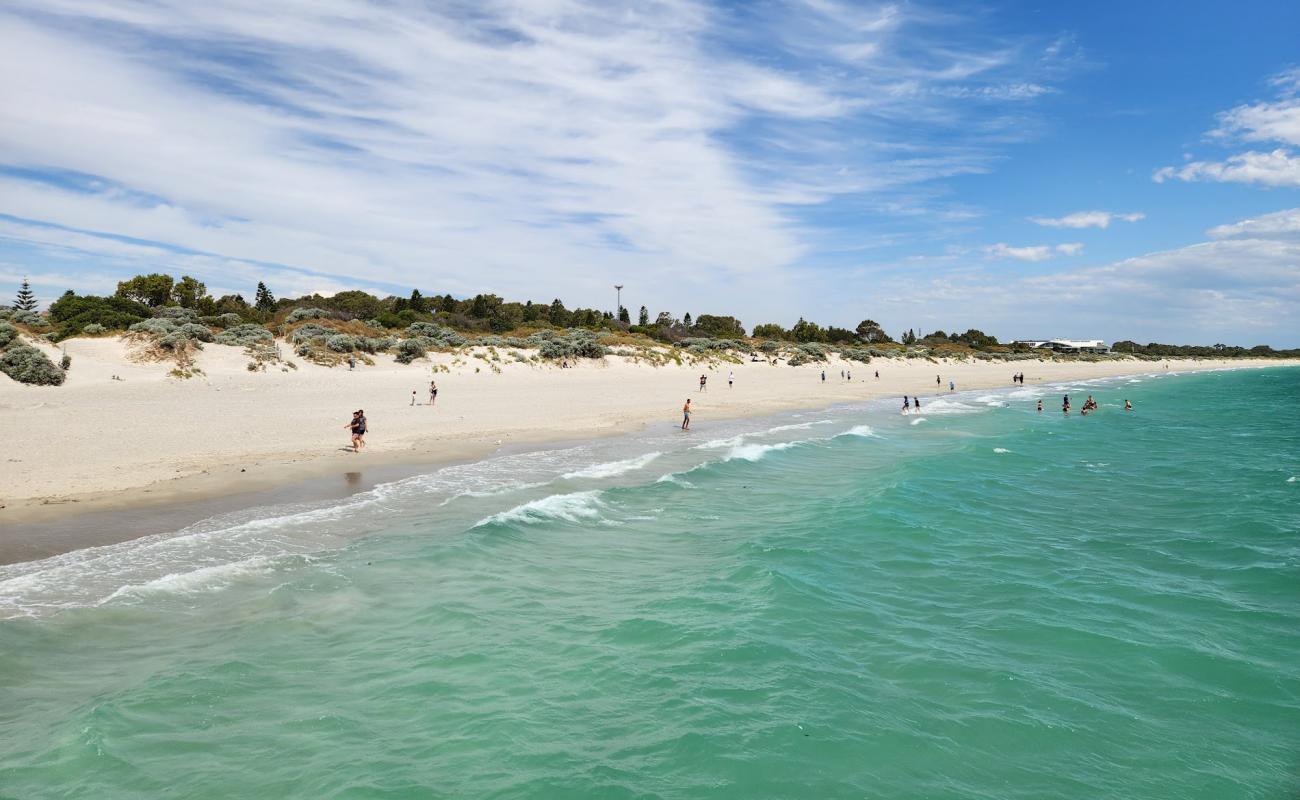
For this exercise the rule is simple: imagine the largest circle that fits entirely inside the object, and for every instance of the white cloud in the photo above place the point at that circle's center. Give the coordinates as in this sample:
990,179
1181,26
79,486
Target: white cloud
1276,168
1041,252
1275,121
1279,223
1087,219
532,149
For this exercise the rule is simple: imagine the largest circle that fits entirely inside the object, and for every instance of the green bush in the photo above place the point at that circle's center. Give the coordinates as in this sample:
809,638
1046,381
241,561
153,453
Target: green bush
244,336
437,335
408,350
577,343
300,314
862,354
72,313
341,343
26,364
158,326
94,329
311,332
176,313
8,335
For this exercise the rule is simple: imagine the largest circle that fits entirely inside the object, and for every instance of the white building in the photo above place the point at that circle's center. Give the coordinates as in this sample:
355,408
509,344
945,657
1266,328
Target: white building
1067,345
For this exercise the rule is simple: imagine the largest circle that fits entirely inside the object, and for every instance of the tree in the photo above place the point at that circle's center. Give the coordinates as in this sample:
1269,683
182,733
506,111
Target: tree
770,330
720,327
417,302
664,320
870,331
804,331
644,318
26,300
558,316
264,300
188,291
909,337
153,290
623,316
686,320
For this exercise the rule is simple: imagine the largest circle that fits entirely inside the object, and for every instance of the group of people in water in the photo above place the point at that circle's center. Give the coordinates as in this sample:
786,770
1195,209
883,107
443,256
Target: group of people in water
1088,405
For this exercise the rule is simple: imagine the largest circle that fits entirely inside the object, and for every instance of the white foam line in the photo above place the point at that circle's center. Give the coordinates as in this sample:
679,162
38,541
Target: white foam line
613,468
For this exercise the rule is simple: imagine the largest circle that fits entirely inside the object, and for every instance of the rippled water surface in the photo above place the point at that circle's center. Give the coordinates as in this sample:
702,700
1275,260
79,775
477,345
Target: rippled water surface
977,602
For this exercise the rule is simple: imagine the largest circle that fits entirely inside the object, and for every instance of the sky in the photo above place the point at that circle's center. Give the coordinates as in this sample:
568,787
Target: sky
1108,170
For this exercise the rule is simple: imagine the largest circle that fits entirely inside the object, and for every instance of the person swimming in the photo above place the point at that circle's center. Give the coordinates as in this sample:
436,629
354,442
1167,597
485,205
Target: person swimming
1128,406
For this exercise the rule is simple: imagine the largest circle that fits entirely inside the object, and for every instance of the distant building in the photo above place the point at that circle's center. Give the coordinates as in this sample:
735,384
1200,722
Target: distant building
1067,345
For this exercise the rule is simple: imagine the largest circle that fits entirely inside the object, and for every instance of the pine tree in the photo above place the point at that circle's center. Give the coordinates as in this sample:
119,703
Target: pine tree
264,301
623,315
644,319
686,320
26,300
417,302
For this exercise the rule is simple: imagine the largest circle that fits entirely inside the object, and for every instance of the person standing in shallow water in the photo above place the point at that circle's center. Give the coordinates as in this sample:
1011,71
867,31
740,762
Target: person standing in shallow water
916,403
686,415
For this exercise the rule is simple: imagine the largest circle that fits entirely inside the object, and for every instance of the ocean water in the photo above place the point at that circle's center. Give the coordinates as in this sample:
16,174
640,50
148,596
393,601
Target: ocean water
979,601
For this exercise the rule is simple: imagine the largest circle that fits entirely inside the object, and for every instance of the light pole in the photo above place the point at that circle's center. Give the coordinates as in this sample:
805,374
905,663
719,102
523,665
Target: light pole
618,294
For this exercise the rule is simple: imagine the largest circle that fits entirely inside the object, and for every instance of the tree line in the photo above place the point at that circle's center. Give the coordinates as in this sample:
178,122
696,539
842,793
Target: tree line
138,297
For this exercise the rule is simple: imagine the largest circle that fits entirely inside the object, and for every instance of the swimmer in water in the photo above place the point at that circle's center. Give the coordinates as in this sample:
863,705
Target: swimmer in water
1128,406
1040,406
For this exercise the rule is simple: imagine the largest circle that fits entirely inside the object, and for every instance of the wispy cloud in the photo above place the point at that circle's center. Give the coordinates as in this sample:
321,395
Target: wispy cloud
1278,224
1041,252
528,148
1087,219
1274,121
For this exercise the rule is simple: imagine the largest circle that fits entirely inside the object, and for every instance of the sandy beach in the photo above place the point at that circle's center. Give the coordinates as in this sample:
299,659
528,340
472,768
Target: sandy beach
99,443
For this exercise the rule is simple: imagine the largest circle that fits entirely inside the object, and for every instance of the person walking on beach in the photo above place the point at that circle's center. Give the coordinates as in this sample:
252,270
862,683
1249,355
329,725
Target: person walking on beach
702,381
877,374
433,392
823,376
731,379
850,375
952,387
358,426
686,415
937,382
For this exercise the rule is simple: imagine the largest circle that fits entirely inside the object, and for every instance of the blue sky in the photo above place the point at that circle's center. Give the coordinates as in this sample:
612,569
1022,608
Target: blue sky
1104,169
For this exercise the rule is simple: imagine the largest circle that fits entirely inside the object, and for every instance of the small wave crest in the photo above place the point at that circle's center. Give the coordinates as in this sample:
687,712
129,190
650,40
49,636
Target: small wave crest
942,406
864,431
613,468
574,507
753,452
1001,450
918,421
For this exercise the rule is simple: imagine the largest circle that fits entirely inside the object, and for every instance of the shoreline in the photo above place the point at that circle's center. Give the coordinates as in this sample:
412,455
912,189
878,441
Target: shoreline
225,483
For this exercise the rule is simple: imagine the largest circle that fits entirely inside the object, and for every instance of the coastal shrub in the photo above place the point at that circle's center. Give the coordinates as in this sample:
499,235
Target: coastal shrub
8,335
576,343
798,360
176,313
436,335
157,326
185,334
770,347
311,332
374,344
229,320
26,364
94,329
28,318
341,343
812,350
408,350
300,314
861,354
66,362
245,335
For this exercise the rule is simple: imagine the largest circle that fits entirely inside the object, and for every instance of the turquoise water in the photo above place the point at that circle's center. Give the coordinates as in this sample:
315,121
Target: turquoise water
979,602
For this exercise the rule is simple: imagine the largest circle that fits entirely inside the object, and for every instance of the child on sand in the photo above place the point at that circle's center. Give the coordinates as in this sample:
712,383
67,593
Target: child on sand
686,415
